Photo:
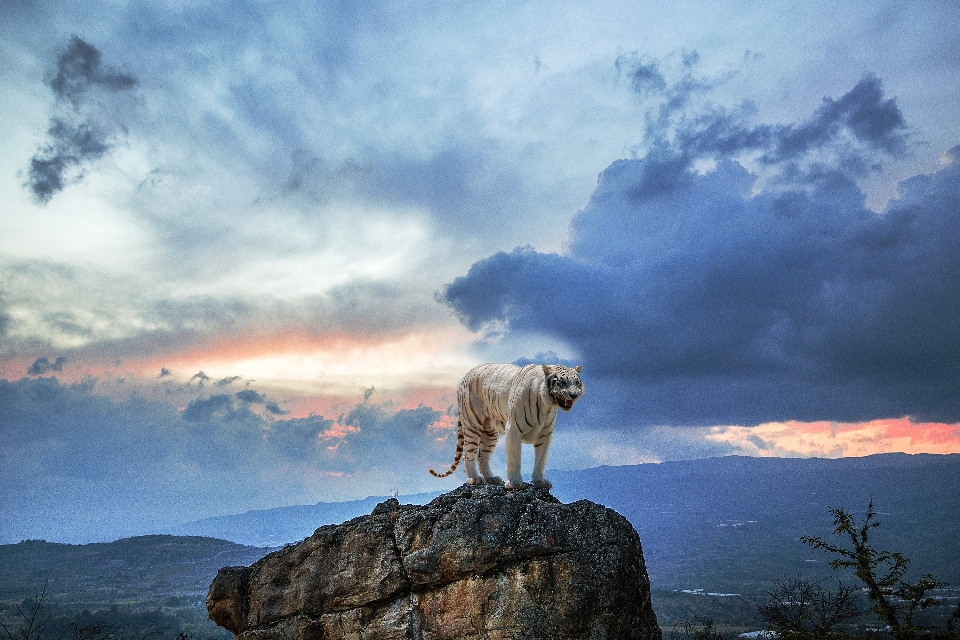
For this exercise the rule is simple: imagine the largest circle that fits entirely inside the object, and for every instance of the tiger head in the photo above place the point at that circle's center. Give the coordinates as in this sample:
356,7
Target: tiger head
564,384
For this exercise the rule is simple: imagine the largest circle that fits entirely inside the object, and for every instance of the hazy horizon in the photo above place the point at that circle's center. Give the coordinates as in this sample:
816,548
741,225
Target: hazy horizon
83,536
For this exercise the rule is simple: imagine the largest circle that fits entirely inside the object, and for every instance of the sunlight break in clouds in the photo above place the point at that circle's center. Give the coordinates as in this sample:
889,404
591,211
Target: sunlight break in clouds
308,373
837,440
338,365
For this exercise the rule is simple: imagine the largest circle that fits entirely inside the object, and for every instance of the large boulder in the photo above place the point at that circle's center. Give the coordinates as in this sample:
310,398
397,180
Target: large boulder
478,562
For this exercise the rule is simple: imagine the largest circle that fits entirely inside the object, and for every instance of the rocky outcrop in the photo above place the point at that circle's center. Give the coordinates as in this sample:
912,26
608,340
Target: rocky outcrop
478,562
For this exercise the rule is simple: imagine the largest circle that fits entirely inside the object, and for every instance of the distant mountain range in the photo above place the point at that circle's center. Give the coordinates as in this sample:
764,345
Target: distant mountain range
282,525
734,523
726,525
721,524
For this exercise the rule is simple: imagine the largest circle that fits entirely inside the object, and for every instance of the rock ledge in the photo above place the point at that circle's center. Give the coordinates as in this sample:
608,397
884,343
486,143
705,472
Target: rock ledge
478,562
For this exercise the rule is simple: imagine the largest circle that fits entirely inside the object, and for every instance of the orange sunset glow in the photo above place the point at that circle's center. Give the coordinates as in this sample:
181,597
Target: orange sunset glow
836,440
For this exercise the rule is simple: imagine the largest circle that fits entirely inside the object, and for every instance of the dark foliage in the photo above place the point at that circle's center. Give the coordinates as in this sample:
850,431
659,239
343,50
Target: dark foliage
34,621
798,608
697,629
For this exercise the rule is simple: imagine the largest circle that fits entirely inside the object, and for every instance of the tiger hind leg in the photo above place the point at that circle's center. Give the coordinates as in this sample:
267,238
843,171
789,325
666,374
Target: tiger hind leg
488,441
472,437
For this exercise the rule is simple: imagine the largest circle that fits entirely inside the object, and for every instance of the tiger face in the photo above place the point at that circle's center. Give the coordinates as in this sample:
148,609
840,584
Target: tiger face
563,383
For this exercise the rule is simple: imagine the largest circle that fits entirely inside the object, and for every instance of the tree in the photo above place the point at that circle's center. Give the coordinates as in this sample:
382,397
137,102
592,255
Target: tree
698,629
32,619
953,616
801,609
94,632
894,600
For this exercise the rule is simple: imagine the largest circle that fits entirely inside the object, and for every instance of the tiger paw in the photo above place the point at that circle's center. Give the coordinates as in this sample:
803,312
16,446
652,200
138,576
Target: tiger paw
474,480
514,484
542,483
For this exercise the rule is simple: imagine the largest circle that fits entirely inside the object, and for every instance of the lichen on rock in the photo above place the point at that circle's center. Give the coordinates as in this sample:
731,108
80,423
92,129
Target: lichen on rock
477,562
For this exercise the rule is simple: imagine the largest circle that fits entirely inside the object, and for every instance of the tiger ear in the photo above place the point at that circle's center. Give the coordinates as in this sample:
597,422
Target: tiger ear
578,368
546,370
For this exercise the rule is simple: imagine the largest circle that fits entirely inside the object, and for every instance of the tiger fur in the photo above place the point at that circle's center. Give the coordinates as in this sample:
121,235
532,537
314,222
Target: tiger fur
521,402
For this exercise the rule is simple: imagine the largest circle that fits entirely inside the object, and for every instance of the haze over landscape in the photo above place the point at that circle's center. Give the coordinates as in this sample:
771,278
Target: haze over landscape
247,250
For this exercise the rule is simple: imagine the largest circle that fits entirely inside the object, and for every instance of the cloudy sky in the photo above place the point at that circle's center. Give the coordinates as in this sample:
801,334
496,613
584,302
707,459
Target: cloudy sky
247,249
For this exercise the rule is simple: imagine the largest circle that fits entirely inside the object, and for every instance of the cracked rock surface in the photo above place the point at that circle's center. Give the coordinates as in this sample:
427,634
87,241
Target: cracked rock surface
478,562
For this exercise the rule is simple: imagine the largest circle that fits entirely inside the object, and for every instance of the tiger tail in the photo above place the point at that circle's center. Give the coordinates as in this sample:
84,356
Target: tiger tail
457,455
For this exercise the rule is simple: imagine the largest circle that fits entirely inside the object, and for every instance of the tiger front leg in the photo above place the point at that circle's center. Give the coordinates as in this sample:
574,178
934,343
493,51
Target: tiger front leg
540,448
512,444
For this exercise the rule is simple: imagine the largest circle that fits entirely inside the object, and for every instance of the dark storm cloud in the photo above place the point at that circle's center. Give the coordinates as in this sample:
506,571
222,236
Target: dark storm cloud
646,78
43,365
69,146
200,377
67,461
871,119
299,437
66,430
649,79
249,395
394,439
275,409
851,129
370,434
218,406
80,68
718,305
79,133
78,462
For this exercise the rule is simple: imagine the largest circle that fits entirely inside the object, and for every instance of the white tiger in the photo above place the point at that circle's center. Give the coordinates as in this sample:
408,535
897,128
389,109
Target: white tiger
521,402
